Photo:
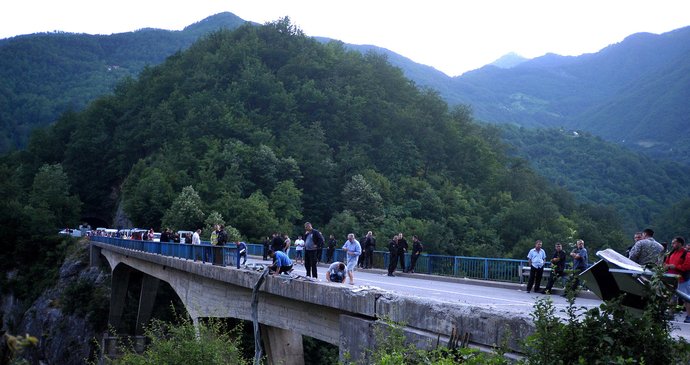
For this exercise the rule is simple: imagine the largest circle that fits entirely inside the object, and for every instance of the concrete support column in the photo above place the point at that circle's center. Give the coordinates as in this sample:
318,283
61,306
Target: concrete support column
356,337
282,347
94,255
118,295
149,289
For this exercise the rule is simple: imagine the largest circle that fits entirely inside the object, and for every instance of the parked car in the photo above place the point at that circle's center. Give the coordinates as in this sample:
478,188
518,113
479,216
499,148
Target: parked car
71,232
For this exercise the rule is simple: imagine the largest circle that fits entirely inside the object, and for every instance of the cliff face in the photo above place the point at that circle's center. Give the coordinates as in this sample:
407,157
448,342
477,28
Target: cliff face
65,318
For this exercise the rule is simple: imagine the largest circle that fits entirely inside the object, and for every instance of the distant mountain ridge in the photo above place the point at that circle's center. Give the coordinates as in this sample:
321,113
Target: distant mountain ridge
634,92
509,60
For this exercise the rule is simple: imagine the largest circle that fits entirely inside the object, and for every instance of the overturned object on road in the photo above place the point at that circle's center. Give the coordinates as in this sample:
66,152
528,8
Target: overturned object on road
615,275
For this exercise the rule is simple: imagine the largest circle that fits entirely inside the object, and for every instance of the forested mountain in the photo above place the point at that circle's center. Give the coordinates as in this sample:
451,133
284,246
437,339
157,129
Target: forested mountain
270,128
642,190
44,75
47,74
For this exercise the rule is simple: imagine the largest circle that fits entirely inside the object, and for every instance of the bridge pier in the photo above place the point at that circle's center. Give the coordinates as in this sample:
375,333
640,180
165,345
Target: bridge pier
282,346
147,297
118,295
356,337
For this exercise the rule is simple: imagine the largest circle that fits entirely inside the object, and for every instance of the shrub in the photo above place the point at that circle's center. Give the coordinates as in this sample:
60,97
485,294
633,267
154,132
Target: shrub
608,334
208,343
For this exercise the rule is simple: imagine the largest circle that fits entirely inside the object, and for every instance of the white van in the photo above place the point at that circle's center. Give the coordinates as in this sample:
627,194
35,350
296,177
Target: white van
184,238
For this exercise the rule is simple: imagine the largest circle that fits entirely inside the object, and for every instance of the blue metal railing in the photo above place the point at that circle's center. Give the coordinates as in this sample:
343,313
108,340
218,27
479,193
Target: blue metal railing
494,269
205,252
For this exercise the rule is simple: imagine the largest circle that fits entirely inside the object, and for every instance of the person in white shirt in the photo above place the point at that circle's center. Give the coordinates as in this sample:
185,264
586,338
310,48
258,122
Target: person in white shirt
537,258
353,250
299,247
196,240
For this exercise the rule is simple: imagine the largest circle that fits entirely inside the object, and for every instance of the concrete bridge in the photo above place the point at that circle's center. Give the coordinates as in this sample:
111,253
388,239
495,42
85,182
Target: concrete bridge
345,316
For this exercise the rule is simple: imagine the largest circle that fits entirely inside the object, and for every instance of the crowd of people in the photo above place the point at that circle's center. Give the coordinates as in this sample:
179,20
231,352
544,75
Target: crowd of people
536,259
308,251
645,251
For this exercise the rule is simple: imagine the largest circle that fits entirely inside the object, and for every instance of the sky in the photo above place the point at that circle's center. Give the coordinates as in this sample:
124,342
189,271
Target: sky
453,36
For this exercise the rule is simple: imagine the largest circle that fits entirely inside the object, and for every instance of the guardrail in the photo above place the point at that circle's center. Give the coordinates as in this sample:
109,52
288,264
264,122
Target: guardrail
207,253
483,268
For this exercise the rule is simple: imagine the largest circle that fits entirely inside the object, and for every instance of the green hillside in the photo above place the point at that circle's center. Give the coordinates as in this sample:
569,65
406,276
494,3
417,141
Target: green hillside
598,172
44,75
271,128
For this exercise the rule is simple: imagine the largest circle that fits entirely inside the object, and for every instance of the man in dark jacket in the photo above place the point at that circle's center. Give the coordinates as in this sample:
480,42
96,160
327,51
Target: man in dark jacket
557,267
332,242
402,249
218,248
393,253
369,247
267,246
277,243
312,241
417,248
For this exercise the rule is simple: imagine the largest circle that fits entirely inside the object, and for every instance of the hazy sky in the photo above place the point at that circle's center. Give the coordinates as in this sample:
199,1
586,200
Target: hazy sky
453,36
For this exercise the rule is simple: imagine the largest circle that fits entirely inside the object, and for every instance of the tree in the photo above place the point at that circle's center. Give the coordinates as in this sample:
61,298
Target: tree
50,200
286,203
341,224
147,196
186,211
364,203
254,217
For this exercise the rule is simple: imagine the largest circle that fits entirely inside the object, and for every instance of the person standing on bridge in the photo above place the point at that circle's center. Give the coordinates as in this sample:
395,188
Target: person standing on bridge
678,262
214,235
242,250
312,240
580,259
287,242
417,248
196,237
402,249
267,245
369,246
646,251
353,250
332,242
557,267
196,241
536,258
393,253
277,243
299,250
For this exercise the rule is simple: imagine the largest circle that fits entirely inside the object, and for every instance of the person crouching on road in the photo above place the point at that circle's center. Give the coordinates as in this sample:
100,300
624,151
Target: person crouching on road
336,272
353,250
281,263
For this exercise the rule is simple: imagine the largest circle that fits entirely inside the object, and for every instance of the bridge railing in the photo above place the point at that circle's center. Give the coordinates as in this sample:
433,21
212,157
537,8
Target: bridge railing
207,253
483,268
